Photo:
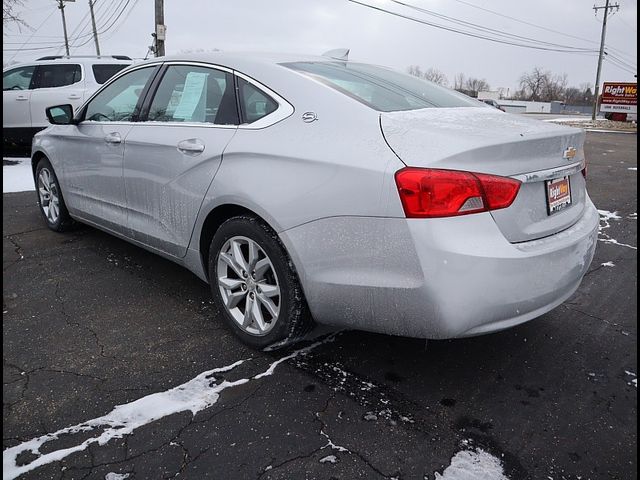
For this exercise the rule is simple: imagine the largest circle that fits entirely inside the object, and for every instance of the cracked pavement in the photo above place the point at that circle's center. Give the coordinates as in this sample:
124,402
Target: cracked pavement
91,322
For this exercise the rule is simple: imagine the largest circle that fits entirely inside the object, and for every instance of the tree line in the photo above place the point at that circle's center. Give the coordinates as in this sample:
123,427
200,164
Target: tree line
538,85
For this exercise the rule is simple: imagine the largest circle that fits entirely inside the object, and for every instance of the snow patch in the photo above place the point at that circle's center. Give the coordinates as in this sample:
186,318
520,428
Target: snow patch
18,176
603,130
116,476
370,417
197,394
473,465
608,264
634,381
605,223
329,459
568,119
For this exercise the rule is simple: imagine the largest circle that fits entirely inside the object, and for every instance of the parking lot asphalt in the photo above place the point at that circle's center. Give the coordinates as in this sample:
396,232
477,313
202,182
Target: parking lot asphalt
91,322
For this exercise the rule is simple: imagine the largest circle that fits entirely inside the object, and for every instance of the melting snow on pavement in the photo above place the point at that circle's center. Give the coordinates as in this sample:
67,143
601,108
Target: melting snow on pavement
473,465
634,381
329,459
605,223
17,175
195,395
116,476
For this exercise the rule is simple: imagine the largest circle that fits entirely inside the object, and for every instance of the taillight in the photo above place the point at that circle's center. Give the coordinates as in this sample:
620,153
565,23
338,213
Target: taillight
426,192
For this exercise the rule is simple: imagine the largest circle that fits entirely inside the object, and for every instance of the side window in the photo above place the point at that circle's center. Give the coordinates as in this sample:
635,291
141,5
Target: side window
118,100
103,72
50,76
254,103
17,78
194,94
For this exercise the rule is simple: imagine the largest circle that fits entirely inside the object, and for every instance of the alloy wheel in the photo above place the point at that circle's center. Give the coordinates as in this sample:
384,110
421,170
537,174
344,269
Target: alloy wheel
49,196
248,285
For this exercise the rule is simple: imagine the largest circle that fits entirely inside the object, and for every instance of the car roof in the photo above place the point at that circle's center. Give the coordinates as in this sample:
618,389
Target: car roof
237,59
84,60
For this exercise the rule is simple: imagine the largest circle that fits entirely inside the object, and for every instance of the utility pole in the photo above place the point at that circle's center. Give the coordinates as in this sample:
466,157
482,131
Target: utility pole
160,28
64,24
606,8
93,24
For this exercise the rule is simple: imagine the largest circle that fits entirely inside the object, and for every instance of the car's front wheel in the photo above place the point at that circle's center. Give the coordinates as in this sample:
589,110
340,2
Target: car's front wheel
52,206
254,284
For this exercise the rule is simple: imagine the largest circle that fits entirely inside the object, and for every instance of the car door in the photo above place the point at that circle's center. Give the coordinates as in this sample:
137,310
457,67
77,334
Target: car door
16,84
174,152
93,150
55,84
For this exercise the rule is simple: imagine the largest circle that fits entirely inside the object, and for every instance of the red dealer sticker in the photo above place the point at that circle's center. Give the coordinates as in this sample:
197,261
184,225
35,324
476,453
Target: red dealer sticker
558,194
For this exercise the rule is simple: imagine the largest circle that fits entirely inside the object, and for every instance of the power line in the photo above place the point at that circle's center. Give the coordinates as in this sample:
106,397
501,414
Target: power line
482,28
466,33
623,62
108,27
27,49
621,67
524,22
85,22
31,36
135,3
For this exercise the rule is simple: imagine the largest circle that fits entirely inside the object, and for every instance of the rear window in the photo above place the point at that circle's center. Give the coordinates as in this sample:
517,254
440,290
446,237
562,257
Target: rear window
51,76
382,89
104,72
254,103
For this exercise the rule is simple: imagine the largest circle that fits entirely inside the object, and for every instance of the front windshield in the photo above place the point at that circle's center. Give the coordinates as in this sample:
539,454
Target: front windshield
383,89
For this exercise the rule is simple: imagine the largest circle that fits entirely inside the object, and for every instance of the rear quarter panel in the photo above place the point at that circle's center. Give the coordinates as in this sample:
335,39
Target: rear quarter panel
295,172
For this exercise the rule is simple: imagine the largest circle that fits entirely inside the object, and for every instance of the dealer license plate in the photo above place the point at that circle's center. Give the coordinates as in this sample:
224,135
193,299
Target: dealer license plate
558,194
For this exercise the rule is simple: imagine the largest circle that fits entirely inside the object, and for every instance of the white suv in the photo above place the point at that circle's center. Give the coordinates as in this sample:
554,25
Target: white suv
29,88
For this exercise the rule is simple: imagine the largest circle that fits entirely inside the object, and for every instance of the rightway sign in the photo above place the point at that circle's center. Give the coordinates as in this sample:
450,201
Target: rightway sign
619,97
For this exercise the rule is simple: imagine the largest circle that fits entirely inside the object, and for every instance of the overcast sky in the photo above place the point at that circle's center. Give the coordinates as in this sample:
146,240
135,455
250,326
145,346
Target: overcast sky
314,26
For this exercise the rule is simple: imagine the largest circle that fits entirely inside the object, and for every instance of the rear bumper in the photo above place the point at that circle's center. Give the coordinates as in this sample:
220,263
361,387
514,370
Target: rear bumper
435,278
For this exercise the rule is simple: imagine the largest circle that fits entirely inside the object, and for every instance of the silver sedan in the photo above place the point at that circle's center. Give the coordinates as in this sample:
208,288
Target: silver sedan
315,189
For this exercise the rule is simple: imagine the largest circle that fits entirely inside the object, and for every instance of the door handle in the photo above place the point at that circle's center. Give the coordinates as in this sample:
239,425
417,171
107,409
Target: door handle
21,98
73,96
113,138
192,146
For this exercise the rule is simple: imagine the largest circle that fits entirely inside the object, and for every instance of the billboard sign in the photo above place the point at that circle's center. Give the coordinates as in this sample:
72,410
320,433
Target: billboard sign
619,97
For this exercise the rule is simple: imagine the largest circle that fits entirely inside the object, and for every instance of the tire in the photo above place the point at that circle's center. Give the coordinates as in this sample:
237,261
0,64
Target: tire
234,289
50,200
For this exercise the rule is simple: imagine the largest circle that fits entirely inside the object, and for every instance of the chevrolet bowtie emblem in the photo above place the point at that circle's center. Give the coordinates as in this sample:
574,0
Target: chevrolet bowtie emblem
569,153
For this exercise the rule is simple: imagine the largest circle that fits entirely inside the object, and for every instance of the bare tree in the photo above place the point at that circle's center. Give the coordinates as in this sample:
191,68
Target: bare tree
432,74
436,76
532,84
572,96
459,81
587,93
543,86
10,14
414,70
475,85
554,87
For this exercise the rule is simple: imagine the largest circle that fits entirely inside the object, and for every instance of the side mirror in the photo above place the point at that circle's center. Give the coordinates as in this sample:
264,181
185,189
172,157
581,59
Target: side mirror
60,114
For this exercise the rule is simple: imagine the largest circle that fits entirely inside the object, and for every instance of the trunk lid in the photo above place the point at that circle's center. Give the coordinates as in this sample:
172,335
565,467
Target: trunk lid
486,140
